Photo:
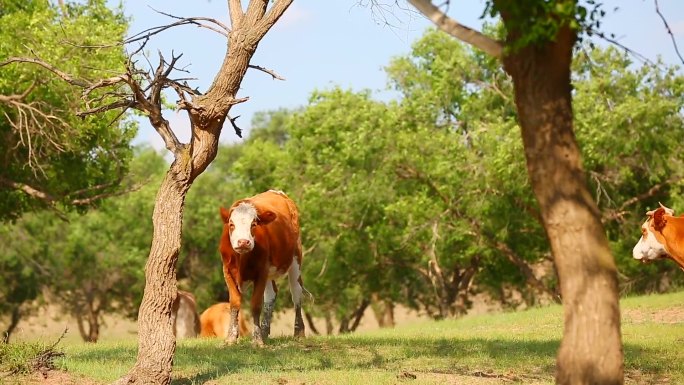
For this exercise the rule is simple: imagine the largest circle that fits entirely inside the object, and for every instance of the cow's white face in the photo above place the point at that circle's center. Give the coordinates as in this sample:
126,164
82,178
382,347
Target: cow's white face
242,222
648,248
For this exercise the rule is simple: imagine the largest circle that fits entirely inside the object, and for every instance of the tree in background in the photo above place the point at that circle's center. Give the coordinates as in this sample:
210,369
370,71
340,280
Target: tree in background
90,265
50,157
435,184
629,123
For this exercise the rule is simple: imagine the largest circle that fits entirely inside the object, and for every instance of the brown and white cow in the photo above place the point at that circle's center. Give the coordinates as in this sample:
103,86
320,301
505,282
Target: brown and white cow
662,236
184,316
261,242
215,321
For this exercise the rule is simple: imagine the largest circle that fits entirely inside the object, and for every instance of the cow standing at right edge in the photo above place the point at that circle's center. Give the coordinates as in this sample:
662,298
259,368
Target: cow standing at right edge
260,242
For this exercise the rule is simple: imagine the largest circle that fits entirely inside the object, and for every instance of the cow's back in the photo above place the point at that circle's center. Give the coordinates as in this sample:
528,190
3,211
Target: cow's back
215,321
282,205
283,233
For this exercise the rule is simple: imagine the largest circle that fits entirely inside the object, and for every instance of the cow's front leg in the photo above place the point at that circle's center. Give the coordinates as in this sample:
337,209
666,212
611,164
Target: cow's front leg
270,294
235,299
257,303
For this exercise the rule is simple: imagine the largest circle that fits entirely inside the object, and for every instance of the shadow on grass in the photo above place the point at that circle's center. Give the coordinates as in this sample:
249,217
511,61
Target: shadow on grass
202,360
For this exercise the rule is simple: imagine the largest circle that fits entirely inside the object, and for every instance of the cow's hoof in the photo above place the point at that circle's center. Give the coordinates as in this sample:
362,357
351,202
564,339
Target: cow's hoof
229,342
299,333
258,342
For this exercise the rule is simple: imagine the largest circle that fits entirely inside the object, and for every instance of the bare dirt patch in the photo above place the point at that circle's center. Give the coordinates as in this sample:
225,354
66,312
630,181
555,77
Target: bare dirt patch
665,316
52,377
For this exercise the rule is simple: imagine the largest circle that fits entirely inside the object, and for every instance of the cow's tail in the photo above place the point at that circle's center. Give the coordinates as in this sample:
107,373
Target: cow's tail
307,294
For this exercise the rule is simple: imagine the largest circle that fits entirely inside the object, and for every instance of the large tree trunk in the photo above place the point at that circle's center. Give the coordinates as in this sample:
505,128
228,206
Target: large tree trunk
207,113
157,343
591,349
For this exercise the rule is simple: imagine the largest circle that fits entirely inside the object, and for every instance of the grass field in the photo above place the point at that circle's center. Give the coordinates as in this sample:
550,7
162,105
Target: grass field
499,348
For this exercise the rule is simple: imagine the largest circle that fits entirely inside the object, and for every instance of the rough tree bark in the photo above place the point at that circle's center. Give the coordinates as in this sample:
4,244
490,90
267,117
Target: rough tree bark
207,114
591,349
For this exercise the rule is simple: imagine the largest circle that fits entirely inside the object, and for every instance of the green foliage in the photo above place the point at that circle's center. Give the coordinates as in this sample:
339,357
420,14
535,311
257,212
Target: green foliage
26,357
533,22
45,146
94,263
387,189
629,124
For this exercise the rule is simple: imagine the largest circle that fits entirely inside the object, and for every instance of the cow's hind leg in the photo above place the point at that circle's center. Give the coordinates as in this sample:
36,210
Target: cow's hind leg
257,303
270,294
296,289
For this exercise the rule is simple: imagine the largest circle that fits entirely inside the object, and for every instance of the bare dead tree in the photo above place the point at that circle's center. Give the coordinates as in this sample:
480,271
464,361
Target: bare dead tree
142,90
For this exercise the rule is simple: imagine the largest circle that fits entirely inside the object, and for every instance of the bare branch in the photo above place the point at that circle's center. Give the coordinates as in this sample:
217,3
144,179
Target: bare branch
196,21
268,71
18,97
669,31
256,9
236,14
238,100
146,34
63,75
30,122
276,11
622,46
238,130
28,190
92,199
619,213
457,30
124,103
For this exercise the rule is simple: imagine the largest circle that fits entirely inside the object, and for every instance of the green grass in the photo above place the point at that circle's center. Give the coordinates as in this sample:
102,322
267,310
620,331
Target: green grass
488,349
24,357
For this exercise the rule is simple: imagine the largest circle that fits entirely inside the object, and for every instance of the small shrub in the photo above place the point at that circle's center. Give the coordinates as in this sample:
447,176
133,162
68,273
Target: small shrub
28,357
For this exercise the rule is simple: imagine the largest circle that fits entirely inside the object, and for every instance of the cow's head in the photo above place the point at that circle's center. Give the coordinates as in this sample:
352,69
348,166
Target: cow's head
651,245
242,219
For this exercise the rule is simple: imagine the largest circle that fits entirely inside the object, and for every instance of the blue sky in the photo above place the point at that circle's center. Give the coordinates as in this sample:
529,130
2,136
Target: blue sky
320,44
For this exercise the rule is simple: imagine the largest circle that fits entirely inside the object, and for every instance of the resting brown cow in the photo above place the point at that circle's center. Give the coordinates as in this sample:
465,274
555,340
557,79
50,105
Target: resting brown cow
215,321
184,316
261,242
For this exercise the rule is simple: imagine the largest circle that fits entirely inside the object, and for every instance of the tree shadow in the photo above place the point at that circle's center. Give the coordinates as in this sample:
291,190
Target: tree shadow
200,361
384,353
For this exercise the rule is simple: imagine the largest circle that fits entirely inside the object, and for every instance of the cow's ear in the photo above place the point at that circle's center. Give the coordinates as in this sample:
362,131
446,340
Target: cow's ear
225,215
266,217
659,220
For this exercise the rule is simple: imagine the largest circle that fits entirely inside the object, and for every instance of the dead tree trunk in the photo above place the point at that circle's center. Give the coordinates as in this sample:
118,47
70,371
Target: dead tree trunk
207,113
